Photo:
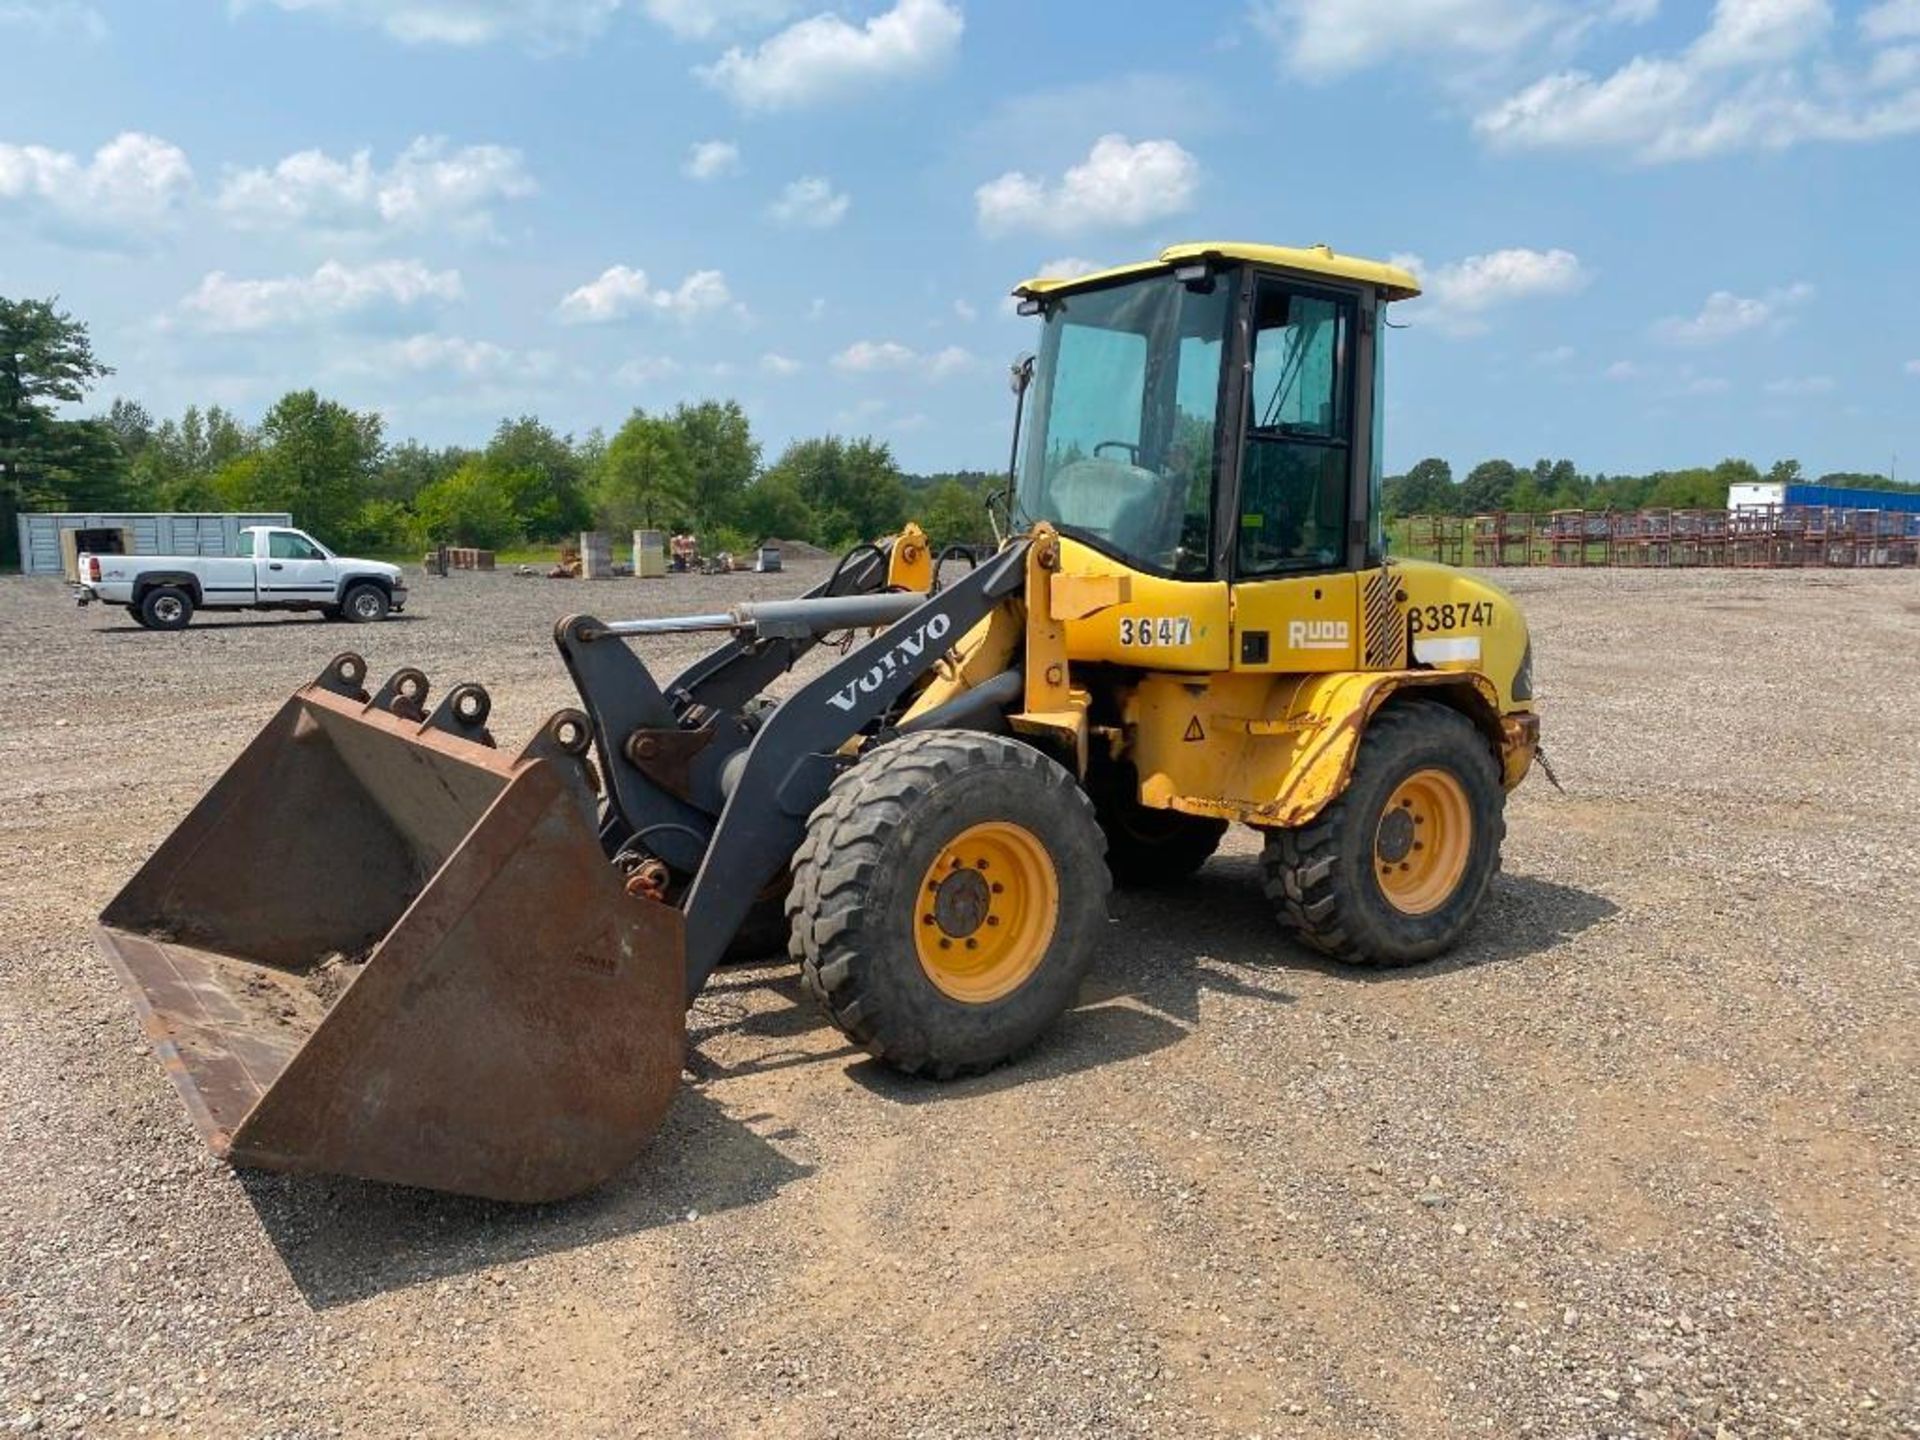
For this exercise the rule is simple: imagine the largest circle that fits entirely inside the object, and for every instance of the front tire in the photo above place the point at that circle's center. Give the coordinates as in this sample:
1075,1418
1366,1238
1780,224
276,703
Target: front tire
363,604
947,900
1394,871
166,607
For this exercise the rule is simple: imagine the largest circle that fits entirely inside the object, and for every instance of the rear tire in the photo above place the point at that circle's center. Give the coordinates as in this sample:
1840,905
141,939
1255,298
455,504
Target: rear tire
1146,846
166,607
138,618
1393,872
947,900
363,604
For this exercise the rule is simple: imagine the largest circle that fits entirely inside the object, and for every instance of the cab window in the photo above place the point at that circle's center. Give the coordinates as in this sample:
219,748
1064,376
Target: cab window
1125,408
1294,475
285,545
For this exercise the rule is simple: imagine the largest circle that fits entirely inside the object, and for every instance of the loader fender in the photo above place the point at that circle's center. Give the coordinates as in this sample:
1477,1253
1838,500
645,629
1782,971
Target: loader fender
1275,751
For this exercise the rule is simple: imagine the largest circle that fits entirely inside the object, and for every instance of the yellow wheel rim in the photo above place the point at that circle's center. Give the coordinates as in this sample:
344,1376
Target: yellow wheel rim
1423,841
985,912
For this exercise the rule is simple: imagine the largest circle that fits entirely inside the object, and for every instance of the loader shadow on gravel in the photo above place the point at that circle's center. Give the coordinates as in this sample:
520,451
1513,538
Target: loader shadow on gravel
344,1240
1221,915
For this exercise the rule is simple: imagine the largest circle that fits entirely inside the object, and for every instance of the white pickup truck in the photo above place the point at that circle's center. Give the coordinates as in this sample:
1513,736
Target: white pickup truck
274,569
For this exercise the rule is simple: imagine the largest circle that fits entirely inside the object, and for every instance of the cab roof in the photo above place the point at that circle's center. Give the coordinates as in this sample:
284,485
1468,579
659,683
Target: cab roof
1393,282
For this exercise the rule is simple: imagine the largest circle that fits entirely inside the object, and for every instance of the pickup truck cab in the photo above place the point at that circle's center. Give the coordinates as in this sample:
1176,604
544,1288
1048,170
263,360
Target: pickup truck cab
275,569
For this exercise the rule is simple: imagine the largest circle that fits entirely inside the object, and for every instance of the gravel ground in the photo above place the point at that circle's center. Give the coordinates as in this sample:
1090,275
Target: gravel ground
1638,1160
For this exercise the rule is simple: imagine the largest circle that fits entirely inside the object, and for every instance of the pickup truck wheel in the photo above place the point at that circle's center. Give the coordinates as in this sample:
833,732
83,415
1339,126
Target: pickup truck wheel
364,603
166,607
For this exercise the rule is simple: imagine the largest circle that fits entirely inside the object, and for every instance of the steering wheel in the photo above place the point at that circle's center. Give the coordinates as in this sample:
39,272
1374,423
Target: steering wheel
1133,451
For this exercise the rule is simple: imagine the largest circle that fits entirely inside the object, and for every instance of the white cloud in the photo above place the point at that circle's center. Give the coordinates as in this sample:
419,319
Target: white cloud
1622,370
1066,267
1457,297
810,203
132,184
867,356
826,57
1803,385
429,185
543,23
966,310
1119,184
1761,32
870,357
450,354
711,159
1325,38
1892,20
701,19
953,360
1705,385
1726,315
622,291
1913,367
780,365
1558,355
224,305
1745,83
646,370
54,19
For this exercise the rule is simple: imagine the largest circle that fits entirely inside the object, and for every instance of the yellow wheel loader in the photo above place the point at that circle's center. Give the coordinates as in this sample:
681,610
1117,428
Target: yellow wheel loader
383,947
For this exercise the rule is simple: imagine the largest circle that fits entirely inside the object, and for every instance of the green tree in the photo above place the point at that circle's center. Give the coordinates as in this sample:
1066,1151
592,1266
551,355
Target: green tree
853,487
317,460
410,467
544,476
471,506
1488,487
722,456
1426,489
47,360
644,478
772,508
953,514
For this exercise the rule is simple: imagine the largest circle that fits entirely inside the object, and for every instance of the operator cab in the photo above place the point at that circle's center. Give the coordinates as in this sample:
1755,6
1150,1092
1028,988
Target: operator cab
1212,415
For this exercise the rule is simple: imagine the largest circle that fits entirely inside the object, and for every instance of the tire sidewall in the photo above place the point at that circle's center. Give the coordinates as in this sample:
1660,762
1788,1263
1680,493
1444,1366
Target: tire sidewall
350,604
1380,928
965,1033
151,602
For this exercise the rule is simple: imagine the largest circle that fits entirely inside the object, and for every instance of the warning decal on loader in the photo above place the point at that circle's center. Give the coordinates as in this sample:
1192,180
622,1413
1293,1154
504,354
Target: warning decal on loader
1194,732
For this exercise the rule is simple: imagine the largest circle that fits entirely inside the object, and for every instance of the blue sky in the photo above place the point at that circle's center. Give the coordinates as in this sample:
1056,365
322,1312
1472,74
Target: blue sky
1654,232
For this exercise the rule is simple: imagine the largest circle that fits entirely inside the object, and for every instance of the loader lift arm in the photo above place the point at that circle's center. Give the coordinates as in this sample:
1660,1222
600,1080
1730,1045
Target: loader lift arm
725,796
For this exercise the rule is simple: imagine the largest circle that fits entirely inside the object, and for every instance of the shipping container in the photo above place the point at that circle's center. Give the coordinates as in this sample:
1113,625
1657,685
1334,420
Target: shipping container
49,541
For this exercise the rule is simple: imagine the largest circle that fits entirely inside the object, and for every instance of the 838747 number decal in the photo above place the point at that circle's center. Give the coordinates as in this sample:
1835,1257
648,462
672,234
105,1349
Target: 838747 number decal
1461,615
1150,632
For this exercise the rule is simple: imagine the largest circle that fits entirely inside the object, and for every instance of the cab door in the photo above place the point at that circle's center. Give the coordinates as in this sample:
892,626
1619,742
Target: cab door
1295,606
295,568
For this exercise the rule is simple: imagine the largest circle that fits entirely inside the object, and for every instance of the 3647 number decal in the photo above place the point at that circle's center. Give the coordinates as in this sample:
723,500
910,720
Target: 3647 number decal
1457,616
1149,632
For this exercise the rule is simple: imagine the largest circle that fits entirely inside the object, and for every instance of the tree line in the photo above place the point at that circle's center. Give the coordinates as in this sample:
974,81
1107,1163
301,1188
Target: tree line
696,467
1429,488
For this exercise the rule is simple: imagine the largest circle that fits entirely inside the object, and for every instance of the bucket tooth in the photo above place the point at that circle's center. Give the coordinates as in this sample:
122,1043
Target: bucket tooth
380,947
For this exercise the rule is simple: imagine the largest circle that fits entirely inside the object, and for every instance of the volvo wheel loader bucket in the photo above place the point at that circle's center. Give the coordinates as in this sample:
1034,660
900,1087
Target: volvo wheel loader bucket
380,947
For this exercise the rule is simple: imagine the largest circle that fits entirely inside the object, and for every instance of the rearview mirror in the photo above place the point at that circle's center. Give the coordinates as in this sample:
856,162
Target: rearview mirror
1020,373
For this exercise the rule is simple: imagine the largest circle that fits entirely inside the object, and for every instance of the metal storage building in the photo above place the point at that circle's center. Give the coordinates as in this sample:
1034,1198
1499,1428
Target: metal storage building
1820,497
48,541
